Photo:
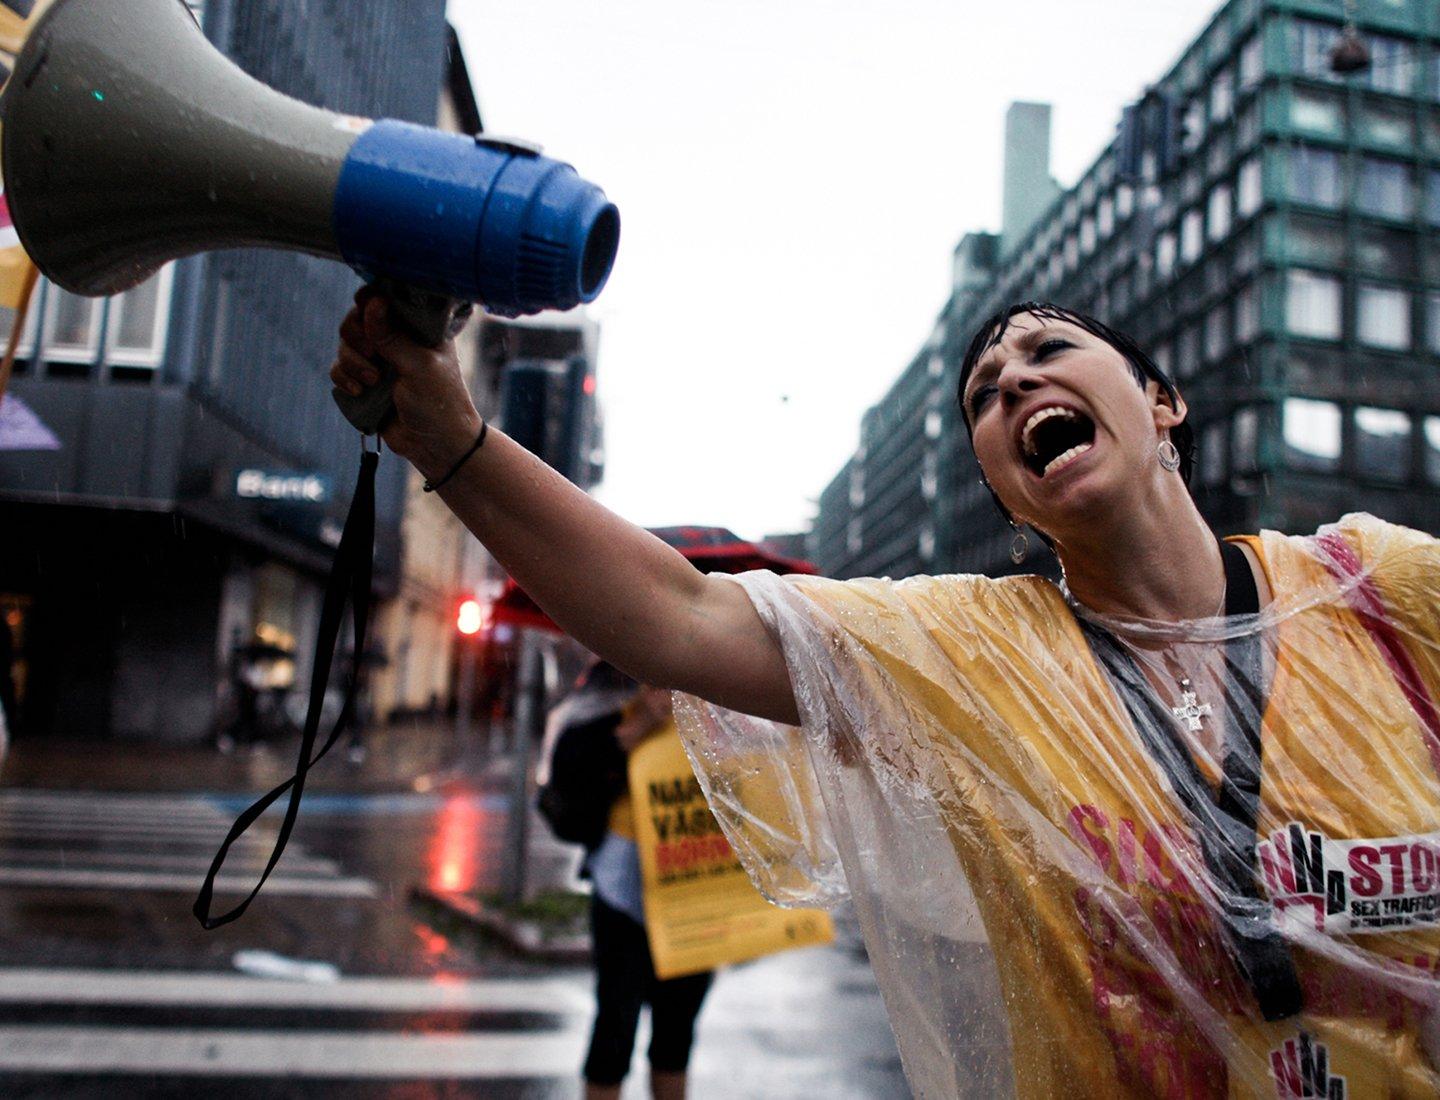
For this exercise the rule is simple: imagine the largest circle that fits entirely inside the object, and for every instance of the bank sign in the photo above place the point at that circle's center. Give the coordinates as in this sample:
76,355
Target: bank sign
283,485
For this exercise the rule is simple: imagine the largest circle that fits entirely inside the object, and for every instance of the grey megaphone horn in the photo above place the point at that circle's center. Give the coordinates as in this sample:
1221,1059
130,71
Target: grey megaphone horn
130,141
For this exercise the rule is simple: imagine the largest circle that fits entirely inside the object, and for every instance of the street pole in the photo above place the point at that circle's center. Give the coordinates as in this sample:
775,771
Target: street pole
465,692
529,719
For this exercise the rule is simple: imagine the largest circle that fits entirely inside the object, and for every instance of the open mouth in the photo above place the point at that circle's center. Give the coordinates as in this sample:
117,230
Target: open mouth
1054,437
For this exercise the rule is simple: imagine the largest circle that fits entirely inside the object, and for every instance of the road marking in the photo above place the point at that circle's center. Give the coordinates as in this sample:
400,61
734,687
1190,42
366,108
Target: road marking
94,1050
145,842
223,989
157,880
210,832
74,859
102,801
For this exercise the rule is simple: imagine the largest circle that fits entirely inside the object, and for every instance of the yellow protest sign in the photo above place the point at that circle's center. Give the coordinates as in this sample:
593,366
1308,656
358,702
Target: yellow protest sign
701,910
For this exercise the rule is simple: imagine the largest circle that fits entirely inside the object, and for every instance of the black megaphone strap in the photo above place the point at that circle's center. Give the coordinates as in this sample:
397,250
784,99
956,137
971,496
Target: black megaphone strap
354,561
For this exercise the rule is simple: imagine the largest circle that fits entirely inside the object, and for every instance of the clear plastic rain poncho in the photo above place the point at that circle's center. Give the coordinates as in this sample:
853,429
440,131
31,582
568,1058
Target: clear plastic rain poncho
1075,874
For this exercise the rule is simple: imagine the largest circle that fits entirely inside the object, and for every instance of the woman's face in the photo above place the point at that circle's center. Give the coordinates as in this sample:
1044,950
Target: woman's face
1059,423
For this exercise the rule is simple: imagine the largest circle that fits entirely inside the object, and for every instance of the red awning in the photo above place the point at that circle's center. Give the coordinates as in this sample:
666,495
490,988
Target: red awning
712,549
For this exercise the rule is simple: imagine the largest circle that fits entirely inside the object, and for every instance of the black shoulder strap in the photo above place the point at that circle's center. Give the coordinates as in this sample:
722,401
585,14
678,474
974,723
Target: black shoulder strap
349,577
1224,825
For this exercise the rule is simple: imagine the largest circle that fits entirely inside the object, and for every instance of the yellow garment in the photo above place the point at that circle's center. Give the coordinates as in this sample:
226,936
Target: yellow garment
622,817
969,714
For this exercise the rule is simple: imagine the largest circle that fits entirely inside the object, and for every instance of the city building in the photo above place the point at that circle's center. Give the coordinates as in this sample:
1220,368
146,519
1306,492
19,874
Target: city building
1268,229
201,471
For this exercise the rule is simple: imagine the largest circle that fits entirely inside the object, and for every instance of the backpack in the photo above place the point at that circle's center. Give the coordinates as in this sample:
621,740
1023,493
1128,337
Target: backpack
587,775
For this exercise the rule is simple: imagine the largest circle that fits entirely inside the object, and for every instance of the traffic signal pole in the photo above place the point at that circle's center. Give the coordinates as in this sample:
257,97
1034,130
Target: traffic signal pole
529,727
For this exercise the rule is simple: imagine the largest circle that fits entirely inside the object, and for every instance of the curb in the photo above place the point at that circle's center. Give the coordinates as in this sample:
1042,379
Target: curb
524,937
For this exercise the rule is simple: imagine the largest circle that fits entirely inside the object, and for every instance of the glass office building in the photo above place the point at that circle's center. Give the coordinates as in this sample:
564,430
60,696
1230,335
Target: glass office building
1270,231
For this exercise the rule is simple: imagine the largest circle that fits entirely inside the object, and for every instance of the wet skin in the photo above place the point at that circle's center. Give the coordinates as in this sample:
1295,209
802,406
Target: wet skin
1040,363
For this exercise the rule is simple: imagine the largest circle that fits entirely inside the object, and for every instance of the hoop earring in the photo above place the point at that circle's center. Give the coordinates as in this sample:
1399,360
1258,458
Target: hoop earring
1019,545
1169,455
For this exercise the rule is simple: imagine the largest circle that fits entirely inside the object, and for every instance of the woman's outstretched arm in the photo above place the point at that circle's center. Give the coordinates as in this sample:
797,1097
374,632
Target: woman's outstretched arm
615,587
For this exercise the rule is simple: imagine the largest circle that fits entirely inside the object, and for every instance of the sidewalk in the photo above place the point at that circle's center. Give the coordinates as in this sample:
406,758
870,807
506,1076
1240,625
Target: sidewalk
414,755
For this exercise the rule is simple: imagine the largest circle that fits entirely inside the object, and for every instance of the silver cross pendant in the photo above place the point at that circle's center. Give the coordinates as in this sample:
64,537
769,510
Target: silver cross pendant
1190,710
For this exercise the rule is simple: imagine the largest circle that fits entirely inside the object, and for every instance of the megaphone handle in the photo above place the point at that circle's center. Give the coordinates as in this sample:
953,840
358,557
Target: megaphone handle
431,319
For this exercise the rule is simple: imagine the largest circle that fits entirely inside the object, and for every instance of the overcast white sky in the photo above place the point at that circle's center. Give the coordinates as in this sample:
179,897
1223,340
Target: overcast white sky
792,176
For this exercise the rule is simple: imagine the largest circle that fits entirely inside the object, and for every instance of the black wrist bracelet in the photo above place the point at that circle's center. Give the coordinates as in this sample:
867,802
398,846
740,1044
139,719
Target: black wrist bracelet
431,486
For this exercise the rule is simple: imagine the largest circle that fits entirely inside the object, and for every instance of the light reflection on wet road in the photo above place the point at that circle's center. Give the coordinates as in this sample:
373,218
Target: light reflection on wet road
85,1010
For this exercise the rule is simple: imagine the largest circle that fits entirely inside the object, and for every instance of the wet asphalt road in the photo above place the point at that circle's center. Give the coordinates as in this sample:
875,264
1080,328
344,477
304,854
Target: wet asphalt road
110,988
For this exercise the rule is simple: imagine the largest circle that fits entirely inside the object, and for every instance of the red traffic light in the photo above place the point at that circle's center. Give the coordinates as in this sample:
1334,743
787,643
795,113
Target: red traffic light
471,618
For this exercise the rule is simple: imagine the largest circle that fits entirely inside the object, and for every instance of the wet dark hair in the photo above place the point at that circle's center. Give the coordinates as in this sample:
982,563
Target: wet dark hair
1141,366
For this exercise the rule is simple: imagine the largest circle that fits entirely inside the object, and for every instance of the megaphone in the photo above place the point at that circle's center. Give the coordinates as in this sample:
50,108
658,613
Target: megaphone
130,141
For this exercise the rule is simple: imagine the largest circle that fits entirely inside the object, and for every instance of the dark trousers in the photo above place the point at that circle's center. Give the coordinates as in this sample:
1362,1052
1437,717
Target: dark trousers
624,980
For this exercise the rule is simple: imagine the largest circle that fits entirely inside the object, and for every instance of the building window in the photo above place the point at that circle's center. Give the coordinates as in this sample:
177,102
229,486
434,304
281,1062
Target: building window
1390,65
1087,235
926,543
1312,240
1386,252
1105,217
1220,213
1432,321
1187,351
1315,176
857,488
854,538
1312,305
933,423
1247,314
1432,196
1383,319
1316,112
1432,449
72,326
1311,431
1310,46
1386,124
1192,236
1165,254
1252,63
1385,188
1248,191
1247,127
1212,453
1124,201
1244,440
1217,333
1193,132
138,320
1222,95
1382,444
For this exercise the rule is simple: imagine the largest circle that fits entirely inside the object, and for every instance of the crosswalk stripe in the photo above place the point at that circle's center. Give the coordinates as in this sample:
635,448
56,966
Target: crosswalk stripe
200,861
100,801
156,880
98,840
210,831
309,1055
222,989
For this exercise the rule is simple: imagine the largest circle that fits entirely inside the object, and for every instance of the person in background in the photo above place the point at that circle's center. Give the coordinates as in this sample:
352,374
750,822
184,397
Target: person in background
592,732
